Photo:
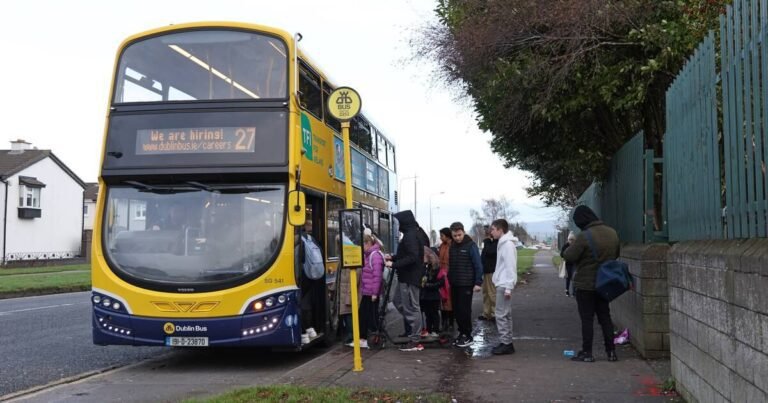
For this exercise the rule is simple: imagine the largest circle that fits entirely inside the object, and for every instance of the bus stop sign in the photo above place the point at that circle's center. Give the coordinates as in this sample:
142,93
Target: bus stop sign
344,104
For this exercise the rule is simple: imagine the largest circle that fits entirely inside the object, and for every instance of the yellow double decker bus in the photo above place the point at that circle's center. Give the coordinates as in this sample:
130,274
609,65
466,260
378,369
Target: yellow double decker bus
217,149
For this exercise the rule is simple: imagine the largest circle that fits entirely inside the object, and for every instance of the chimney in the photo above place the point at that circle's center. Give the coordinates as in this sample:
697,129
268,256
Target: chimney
20,146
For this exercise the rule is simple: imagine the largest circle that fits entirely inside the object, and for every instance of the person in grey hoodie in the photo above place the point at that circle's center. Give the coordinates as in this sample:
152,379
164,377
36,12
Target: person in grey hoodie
505,279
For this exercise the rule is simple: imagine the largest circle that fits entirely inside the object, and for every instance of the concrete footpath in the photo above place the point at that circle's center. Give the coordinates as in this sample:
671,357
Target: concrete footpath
545,323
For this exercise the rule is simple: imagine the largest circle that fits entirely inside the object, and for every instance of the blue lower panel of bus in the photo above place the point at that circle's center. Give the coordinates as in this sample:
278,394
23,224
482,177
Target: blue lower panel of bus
274,327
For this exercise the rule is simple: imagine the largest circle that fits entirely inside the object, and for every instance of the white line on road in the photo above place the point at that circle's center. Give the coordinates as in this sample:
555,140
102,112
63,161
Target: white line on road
38,308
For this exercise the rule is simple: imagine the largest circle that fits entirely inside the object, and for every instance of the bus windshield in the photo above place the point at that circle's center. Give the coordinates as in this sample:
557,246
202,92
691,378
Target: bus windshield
192,234
203,65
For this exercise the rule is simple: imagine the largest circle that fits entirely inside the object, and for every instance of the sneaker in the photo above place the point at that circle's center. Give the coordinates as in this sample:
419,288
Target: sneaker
304,338
434,334
424,333
583,357
567,293
612,356
312,333
363,344
463,341
412,346
504,349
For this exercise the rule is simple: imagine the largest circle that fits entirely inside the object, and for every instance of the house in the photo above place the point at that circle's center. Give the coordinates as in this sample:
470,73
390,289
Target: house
42,206
89,205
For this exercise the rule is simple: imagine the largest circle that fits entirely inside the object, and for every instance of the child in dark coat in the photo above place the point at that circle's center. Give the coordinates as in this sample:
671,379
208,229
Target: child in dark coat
430,296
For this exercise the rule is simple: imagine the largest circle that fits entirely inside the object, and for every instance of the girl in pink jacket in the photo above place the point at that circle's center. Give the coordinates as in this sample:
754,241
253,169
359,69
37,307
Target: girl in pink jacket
370,287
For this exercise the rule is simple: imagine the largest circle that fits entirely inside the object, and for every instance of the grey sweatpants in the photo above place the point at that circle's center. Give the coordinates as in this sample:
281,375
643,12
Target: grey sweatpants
503,316
406,301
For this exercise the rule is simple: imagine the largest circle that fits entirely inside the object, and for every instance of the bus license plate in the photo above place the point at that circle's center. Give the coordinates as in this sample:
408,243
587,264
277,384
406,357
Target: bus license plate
186,341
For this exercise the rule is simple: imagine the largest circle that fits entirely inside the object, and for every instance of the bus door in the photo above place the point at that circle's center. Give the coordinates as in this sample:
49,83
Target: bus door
313,299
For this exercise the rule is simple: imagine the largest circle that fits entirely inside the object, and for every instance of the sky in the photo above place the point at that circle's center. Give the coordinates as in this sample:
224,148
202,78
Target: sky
59,56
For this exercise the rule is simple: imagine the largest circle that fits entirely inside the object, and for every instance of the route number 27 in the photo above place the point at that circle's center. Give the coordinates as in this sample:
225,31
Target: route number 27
245,138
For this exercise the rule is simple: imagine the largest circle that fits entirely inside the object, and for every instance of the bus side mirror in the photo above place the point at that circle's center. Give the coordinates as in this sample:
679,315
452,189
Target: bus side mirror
297,203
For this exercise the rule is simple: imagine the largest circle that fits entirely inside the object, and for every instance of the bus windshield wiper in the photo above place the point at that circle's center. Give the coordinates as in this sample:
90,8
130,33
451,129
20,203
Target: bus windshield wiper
235,189
143,187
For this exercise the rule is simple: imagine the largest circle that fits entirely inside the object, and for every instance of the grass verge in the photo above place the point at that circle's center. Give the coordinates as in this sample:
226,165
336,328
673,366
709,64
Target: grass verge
295,394
44,280
525,260
51,269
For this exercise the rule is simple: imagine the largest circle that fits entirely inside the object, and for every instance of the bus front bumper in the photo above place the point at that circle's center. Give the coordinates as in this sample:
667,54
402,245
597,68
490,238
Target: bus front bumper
276,327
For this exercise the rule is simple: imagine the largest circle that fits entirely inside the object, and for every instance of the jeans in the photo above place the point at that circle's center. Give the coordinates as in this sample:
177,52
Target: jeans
407,303
590,304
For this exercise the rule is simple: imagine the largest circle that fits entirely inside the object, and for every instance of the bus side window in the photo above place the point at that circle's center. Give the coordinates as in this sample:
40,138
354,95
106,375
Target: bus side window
311,95
360,134
329,120
332,240
384,231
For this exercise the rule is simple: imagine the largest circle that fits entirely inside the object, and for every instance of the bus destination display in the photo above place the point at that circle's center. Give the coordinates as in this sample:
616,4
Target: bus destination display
195,140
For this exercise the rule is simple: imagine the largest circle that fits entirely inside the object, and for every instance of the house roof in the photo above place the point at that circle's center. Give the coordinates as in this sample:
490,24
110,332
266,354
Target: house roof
91,191
12,162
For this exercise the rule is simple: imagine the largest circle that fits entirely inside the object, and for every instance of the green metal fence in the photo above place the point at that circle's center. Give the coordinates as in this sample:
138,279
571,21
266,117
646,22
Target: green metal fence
744,72
619,199
691,151
715,179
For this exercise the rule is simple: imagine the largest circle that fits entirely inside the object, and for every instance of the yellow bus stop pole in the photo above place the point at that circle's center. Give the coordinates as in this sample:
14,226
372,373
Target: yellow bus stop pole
358,360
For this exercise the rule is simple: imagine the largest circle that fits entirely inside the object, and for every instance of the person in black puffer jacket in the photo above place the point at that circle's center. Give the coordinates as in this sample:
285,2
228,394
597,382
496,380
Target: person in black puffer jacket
465,274
409,266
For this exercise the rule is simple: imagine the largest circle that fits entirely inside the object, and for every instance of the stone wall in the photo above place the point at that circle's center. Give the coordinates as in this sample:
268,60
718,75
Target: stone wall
719,320
645,310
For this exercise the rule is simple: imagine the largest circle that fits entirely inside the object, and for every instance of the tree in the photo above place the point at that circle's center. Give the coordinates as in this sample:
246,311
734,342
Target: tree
519,230
562,85
490,210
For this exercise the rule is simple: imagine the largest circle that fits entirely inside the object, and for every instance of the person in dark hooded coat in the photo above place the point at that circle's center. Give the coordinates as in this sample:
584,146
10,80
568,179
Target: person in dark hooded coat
408,263
605,243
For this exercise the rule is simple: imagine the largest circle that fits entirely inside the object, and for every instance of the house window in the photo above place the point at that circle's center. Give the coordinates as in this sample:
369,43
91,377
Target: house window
140,210
29,197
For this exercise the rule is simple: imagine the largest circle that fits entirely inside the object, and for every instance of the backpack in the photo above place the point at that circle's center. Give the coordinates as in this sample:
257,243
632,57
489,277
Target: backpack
314,266
613,277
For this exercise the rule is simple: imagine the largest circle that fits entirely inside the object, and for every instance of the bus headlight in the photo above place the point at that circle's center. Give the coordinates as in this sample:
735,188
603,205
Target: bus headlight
281,298
116,306
106,302
96,299
269,302
258,305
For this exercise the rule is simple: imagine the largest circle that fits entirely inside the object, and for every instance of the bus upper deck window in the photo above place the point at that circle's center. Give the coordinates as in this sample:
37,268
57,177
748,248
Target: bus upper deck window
203,65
